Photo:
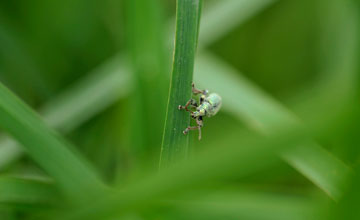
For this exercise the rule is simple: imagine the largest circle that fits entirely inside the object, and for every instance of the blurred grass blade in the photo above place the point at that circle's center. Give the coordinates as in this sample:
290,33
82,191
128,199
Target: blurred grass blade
79,103
338,62
9,151
175,144
348,206
15,57
245,204
7,213
24,192
149,65
241,97
223,16
48,149
320,167
251,154
247,102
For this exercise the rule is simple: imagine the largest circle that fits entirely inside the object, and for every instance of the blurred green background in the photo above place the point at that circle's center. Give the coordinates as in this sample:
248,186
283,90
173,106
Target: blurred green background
98,72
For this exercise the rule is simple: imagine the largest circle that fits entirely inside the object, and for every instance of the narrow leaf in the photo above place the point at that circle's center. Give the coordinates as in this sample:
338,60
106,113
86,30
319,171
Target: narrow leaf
46,147
25,192
175,144
251,154
224,16
104,86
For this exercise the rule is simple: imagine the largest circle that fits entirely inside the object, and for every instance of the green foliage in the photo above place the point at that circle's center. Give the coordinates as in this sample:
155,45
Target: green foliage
175,145
284,145
48,149
22,193
145,36
265,115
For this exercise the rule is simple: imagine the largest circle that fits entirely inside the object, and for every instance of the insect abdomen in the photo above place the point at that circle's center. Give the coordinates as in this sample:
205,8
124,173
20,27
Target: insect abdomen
215,104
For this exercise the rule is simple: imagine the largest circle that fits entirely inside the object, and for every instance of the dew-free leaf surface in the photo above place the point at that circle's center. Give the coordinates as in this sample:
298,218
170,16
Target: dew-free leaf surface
175,144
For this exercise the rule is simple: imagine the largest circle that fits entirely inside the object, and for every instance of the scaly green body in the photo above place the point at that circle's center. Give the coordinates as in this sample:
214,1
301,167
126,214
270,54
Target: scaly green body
210,106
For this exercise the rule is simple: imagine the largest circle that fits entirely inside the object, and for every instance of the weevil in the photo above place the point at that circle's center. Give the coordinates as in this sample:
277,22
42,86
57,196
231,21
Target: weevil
209,105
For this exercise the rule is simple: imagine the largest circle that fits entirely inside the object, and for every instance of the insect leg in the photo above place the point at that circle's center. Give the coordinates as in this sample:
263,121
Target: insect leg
194,103
191,102
190,128
199,123
197,91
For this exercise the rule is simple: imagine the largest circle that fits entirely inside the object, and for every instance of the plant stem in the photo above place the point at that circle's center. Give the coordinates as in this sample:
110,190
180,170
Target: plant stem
175,143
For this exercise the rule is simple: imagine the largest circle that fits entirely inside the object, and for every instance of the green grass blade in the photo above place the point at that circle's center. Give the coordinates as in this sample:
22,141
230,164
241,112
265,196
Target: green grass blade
321,167
9,151
16,57
99,90
175,144
241,98
251,154
245,204
149,64
261,112
47,148
7,213
338,61
27,193
79,103
223,16
348,206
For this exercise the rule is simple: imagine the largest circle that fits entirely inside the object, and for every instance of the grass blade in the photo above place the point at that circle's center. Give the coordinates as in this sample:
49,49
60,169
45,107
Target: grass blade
227,15
149,64
21,192
16,57
320,167
251,154
9,151
246,204
175,144
48,149
99,90
264,114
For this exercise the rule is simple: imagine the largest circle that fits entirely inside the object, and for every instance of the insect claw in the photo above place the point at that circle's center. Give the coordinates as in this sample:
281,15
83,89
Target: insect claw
180,107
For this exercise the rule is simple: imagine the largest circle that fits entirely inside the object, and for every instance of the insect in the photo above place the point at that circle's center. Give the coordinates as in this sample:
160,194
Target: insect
209,105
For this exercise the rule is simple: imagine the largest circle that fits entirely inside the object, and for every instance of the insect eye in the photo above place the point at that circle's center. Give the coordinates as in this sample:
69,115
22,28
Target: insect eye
202,98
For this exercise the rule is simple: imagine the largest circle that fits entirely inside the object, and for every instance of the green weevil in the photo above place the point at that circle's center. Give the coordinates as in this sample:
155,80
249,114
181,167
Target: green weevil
210,104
